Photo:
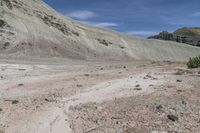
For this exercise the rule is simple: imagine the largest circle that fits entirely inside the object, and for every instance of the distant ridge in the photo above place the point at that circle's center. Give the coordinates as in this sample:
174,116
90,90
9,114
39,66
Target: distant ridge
185,35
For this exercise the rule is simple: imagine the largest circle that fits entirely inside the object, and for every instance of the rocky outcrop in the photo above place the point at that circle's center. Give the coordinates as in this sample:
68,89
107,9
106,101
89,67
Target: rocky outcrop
189,36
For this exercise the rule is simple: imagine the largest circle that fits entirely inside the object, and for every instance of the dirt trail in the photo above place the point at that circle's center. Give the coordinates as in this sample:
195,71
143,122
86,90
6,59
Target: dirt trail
55,119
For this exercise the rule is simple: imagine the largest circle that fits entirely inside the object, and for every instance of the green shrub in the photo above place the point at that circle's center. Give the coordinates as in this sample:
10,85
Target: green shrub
194,62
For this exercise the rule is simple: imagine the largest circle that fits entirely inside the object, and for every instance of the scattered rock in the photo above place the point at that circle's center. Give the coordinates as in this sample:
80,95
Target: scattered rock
49,100
104,42
124,67
148,76
178,80
159,107
137,86
20,84
172,118
1,109
183,102
15,101
138,89
179,90
79,85
86,75
101,68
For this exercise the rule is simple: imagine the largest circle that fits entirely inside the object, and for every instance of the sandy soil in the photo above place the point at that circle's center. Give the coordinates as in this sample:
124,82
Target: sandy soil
98,97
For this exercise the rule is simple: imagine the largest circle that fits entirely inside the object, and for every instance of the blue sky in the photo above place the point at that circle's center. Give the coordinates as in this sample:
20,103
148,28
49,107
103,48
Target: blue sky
137,17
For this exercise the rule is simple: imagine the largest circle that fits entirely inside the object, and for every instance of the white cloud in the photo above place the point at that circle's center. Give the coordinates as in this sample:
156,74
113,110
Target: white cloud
82,14
101,24
196,14
106,24
143,33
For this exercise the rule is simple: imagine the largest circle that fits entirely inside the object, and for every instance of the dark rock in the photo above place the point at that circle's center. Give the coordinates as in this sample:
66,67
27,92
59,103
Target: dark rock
86,75
137,86
183,35
2,23
1,109
138,89
49,100
159,107
20,84
79,85
172,118
178,80
15,101
104,42
6,45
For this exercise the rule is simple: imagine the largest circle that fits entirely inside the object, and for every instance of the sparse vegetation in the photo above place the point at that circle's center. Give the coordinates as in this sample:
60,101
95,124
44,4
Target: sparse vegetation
7,3
2,23
194,62
6,45
104,42
122,47
182,72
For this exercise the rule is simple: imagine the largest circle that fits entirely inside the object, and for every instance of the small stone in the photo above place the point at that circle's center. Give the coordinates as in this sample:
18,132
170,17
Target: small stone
178,80
124,67
20,84
15,102
79,85
172,118
1,109
179,90
183,102
138,89
86,75
159,107
137,86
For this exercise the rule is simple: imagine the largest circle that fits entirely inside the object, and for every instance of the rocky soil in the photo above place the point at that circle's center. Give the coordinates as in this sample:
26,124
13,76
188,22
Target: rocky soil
98,97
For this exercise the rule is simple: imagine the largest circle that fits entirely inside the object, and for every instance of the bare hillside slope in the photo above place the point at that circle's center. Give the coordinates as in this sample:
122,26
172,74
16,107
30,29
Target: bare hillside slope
30,28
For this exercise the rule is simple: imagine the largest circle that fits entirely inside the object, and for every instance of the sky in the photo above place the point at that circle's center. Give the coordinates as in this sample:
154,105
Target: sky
141,18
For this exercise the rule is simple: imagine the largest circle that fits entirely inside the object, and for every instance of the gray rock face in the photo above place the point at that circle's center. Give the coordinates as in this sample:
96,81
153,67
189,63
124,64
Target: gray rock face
30,28
189,36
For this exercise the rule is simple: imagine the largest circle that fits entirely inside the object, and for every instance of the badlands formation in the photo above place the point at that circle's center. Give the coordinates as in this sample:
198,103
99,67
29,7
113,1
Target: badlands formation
60,76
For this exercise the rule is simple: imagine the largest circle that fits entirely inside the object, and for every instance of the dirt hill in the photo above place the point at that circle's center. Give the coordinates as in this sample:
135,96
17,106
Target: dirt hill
30,28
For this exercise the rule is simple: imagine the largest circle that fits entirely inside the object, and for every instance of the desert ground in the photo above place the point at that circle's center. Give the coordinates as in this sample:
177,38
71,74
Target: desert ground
73,96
